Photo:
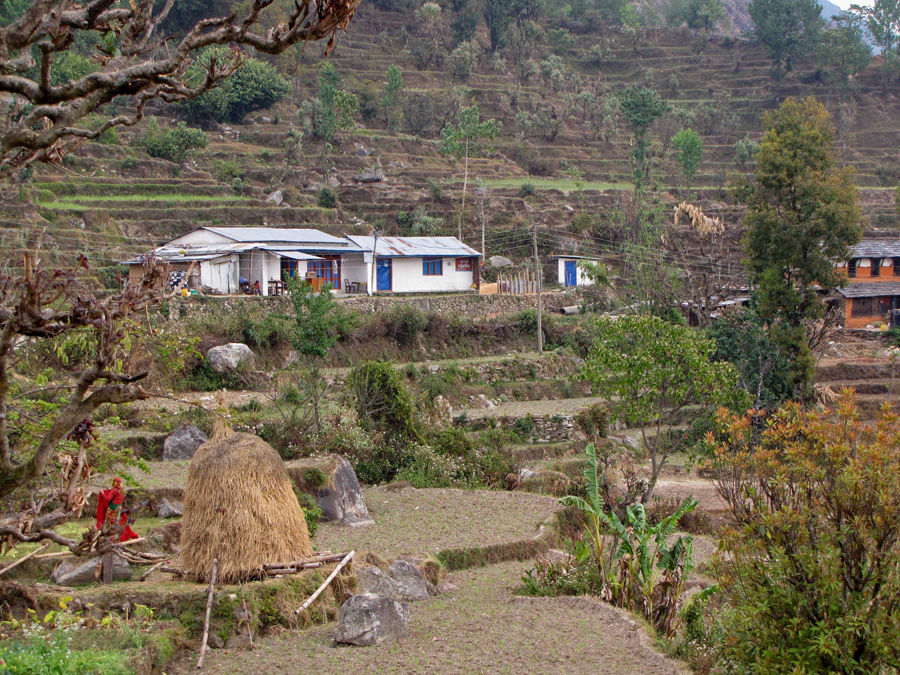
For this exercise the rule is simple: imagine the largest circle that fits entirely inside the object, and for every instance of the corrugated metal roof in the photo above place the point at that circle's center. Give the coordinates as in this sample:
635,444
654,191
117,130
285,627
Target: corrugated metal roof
872,289
276,234
296,255
875,248
414,247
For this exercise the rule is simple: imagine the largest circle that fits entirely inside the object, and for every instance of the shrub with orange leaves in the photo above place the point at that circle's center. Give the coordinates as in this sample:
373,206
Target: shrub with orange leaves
812,565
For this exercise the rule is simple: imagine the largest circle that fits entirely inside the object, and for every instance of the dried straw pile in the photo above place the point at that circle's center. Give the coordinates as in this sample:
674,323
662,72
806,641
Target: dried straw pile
240,507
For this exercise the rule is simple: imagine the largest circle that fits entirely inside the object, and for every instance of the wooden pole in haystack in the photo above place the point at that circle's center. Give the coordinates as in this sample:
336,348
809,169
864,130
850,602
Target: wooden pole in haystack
321,588
209,599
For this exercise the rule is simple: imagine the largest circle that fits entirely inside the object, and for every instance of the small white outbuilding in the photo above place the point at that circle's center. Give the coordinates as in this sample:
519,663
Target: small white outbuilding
571,272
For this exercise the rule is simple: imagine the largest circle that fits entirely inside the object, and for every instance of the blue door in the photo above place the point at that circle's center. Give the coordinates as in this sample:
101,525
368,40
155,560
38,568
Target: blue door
571,275
383,266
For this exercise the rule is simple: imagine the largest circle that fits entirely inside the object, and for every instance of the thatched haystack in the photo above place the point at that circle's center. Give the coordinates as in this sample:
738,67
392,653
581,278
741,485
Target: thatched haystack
240,507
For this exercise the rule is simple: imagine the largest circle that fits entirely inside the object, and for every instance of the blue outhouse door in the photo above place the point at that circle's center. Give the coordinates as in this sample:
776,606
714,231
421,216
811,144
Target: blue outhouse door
571,275
384,274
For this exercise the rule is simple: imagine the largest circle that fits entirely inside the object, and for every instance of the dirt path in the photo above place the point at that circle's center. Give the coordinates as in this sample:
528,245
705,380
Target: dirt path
478,627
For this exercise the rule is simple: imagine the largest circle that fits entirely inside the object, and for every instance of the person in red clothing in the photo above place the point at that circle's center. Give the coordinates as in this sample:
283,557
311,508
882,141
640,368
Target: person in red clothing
110,512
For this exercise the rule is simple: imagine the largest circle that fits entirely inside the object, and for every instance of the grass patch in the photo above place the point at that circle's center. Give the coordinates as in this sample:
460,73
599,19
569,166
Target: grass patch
77,201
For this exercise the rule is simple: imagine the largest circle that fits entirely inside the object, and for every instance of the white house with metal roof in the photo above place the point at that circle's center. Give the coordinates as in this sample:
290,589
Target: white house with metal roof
413,264
233,260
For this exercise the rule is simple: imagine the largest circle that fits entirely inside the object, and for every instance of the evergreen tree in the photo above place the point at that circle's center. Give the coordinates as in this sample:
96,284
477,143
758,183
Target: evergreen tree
801,217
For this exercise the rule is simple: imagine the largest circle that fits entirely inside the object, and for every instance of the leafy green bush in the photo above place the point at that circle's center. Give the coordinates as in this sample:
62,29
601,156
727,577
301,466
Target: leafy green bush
462,60
254,86
203,378
404,322
327,198
382,400
311,511
526,190
53,656
175,144
331,109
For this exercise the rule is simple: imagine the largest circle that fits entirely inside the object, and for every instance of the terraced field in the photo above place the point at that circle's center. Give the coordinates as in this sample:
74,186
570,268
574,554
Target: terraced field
113,201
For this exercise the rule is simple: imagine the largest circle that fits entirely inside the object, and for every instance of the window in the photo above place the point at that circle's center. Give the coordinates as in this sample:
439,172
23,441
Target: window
432,267
328,269
897,267
288,268
851,269
876,267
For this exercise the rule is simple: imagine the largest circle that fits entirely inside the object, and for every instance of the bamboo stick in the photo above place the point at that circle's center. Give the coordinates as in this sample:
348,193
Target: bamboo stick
330,557
324,585
22,559
146,574
57,554
209,599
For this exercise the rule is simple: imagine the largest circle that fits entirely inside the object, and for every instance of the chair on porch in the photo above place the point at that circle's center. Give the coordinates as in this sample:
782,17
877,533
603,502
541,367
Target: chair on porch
346,286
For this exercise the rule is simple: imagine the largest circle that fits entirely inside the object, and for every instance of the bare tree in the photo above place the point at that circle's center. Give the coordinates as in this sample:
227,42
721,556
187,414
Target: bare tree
41,121
710,272
45,304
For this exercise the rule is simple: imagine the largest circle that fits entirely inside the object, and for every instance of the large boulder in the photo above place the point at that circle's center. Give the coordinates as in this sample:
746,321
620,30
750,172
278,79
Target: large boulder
372,174
80,571
373,580
230,357
403,581
167,509
368,619
182,443
411,585
332,481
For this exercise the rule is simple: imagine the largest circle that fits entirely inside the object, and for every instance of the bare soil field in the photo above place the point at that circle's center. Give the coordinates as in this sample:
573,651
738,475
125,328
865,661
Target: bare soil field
478,627
410,522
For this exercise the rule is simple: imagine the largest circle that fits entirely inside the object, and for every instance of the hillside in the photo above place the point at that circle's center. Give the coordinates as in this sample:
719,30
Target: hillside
111,201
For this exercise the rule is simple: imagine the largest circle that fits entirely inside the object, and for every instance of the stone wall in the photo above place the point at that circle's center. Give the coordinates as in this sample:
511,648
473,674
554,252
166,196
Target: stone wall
544,428
475,307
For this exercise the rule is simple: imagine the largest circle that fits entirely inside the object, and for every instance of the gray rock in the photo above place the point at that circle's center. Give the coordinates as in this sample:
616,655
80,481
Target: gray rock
499,261
182,443
527,474
333,182
373,580
80,571
340,497
371,174
411,585
368,619
215,642
229,357
276,197
356,521
167,509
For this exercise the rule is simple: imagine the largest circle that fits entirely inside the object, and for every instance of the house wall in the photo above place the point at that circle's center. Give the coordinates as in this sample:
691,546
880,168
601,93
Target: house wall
864,270
354,268
581,279
407,276
859,312
221,274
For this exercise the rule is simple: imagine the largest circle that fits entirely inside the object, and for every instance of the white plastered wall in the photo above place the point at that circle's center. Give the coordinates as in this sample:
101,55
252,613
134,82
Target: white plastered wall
407,276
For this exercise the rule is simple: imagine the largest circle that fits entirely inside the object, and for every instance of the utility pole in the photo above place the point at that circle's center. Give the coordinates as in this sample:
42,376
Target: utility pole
372,287
540,284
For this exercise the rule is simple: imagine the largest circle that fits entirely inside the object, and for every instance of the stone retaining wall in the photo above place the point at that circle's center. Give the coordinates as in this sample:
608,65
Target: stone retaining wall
545,429
475,307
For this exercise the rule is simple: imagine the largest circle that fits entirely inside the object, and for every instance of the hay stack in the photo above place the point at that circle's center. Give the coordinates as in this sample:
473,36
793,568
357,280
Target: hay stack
240,507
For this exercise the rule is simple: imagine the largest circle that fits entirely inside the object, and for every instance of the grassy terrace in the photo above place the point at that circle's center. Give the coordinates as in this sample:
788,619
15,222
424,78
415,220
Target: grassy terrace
77,201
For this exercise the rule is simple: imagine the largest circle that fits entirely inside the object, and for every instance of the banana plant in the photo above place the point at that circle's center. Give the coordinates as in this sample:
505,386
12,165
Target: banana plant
643,552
